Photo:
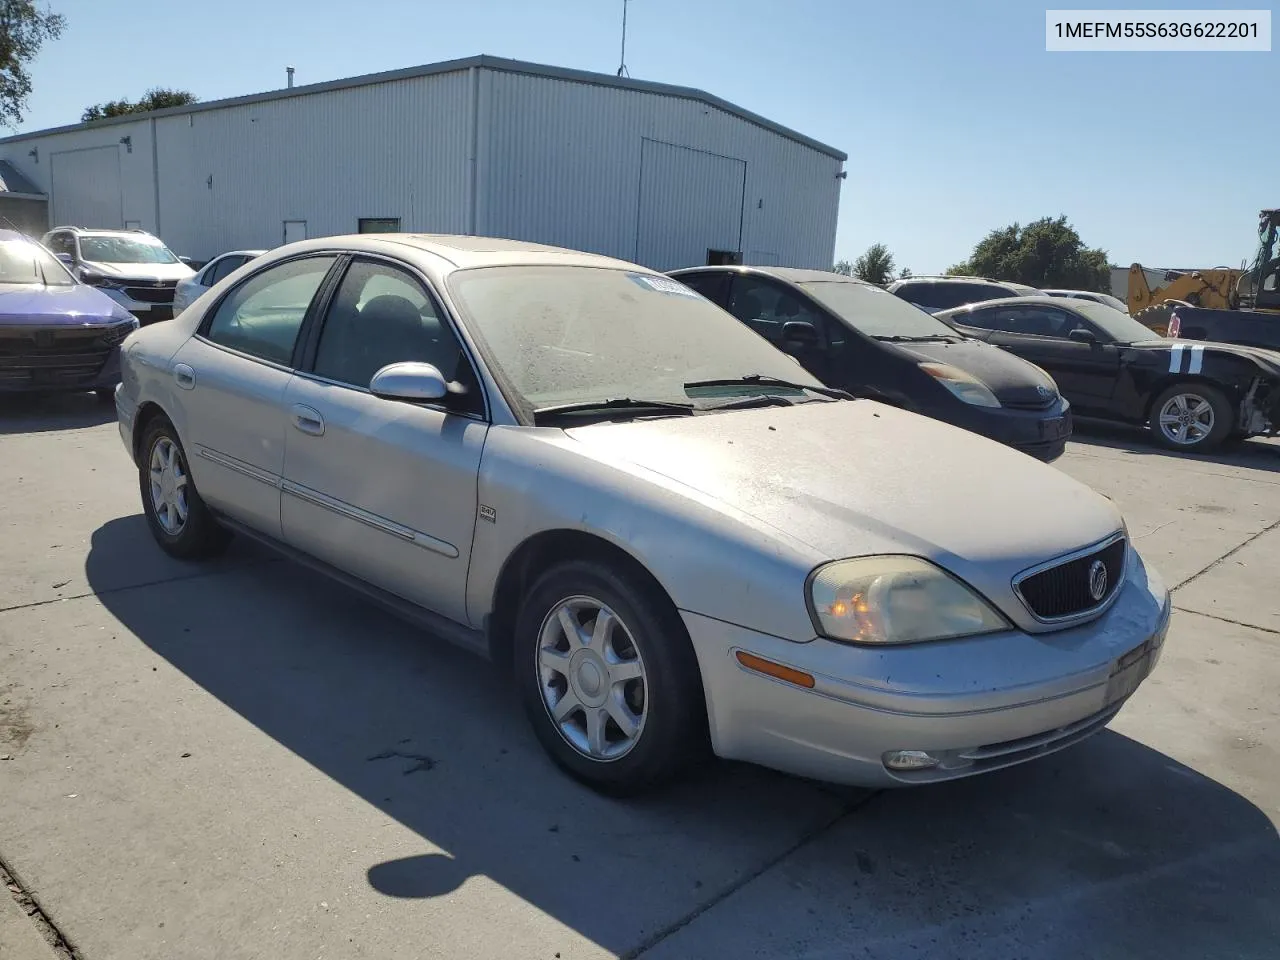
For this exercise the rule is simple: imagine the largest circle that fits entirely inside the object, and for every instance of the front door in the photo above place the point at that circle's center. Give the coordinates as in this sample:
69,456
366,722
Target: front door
1086,373
384,490
235,371
767,306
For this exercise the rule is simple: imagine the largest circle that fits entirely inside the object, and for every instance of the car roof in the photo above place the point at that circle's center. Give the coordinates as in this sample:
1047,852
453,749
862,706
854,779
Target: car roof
789,274
1062,302
463,252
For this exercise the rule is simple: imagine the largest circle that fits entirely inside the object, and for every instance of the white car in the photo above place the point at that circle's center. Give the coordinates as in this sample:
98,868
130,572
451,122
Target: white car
216,269
132,267
672,535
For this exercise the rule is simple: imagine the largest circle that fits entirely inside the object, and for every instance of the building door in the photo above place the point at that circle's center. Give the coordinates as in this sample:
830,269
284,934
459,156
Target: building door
295,230
86,188
691,202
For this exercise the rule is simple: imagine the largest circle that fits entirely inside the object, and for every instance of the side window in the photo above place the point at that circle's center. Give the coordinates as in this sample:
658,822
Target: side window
921,294
765,307
62,243
382,315
713,286
262,316
223,268
984,319
1038,321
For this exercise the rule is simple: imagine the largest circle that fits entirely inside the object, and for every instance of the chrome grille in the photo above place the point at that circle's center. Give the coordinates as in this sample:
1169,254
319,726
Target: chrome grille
56,355
1061,589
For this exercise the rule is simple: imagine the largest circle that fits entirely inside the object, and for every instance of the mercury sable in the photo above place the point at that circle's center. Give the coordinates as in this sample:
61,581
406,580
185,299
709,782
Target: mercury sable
674,536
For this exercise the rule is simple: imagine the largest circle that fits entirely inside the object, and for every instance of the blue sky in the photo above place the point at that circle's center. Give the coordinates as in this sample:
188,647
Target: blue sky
954,117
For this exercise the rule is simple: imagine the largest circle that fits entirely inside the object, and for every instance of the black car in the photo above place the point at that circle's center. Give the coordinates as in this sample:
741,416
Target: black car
943,293
857,337
1193,395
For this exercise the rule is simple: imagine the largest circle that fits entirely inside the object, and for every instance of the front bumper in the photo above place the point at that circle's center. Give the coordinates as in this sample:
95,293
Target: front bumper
145,311
977,704
1042,434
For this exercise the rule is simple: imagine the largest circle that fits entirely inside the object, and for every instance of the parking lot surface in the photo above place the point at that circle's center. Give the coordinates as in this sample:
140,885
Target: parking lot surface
240,760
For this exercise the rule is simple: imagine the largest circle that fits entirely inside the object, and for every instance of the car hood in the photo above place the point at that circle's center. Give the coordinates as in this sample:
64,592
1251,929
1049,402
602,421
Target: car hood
1014,381
1267,359
852,478
30,305
142,271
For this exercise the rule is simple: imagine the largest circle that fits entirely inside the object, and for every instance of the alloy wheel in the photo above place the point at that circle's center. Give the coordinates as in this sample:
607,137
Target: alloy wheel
592,678
1186,419
168,486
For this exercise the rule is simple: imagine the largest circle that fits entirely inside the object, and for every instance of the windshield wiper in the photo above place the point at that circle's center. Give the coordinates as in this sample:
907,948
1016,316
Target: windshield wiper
632,405
760,400
927,338
759,379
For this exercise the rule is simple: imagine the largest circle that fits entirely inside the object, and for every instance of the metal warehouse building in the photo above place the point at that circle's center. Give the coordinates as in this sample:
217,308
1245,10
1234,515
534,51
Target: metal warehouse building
666,176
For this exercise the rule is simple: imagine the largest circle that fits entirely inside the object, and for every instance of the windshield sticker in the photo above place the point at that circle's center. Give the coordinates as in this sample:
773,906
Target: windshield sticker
663,285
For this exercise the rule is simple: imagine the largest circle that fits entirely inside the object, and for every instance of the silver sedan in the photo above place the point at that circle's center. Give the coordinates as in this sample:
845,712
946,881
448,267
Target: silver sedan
674,537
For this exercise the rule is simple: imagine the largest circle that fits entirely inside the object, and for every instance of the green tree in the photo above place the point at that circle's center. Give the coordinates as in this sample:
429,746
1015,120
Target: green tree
1045,253
843,267
157,98
905,273
875,265
23,31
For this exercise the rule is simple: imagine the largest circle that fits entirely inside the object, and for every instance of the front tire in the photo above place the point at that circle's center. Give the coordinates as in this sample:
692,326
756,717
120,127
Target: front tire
609,678
1191,417
179,520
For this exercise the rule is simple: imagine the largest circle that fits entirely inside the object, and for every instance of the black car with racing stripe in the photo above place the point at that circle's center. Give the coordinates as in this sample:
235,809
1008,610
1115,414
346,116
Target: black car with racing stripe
1193,395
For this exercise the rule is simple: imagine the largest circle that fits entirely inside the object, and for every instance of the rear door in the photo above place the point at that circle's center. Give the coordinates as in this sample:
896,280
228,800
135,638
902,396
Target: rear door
1086,373
230,380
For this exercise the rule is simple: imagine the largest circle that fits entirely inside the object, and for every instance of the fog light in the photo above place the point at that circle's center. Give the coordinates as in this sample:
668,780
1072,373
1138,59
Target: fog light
910,760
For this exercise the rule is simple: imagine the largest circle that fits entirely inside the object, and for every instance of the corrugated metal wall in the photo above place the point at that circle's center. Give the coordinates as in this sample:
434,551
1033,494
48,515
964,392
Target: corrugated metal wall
76,155
231,178
561,163
556,160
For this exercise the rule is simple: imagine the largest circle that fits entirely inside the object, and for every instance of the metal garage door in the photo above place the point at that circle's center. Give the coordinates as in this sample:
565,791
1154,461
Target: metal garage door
690,202
86,188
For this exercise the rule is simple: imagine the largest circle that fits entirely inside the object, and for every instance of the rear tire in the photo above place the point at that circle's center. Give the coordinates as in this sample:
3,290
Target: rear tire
1191,417
179,520
618,705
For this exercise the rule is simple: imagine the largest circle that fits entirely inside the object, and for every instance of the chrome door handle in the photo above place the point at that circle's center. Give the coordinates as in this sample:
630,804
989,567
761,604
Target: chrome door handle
308,419
184,375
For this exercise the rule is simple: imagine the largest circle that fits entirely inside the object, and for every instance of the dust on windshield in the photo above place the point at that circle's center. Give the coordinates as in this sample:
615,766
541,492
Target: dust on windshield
124,250
874,312
567,334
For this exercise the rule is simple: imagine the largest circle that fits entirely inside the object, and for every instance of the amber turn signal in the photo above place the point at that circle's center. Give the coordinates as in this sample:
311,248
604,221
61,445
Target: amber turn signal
775,670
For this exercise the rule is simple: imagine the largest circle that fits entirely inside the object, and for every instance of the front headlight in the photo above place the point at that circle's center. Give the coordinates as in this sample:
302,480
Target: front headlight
964,386
896,599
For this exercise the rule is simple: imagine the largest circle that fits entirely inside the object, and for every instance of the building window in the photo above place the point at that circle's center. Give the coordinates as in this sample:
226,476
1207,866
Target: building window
379,225
721,258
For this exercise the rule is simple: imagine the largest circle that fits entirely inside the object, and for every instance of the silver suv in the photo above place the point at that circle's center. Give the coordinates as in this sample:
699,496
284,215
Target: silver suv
132,267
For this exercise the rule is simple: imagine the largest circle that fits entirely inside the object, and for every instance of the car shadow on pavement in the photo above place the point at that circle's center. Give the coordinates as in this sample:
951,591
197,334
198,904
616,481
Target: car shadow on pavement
1256,453
1102,844
42,413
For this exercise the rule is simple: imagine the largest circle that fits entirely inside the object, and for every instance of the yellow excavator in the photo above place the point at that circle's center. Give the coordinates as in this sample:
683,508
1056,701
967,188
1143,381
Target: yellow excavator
1252,288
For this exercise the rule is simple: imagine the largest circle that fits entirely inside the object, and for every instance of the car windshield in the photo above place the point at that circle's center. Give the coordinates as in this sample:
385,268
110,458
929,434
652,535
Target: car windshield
875,312
573,334
124,250
1119,326
22,261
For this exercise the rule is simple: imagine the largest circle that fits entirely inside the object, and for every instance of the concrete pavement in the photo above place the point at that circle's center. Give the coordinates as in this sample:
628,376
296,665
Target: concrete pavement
243,761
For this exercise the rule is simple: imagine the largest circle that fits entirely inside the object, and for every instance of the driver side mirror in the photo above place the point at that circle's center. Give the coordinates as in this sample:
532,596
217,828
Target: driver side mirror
799,333
1081,335
411,381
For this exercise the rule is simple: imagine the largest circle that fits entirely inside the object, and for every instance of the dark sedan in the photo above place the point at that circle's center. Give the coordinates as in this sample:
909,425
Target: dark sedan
857,337
1193,395
56,333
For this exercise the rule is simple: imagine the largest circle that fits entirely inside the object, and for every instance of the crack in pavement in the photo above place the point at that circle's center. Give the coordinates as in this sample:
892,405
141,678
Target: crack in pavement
421,762
1238,623
652,941
1230,553
194,575
48,930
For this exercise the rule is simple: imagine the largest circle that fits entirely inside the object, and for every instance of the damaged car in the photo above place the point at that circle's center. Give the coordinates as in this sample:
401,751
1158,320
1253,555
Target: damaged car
1194,396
